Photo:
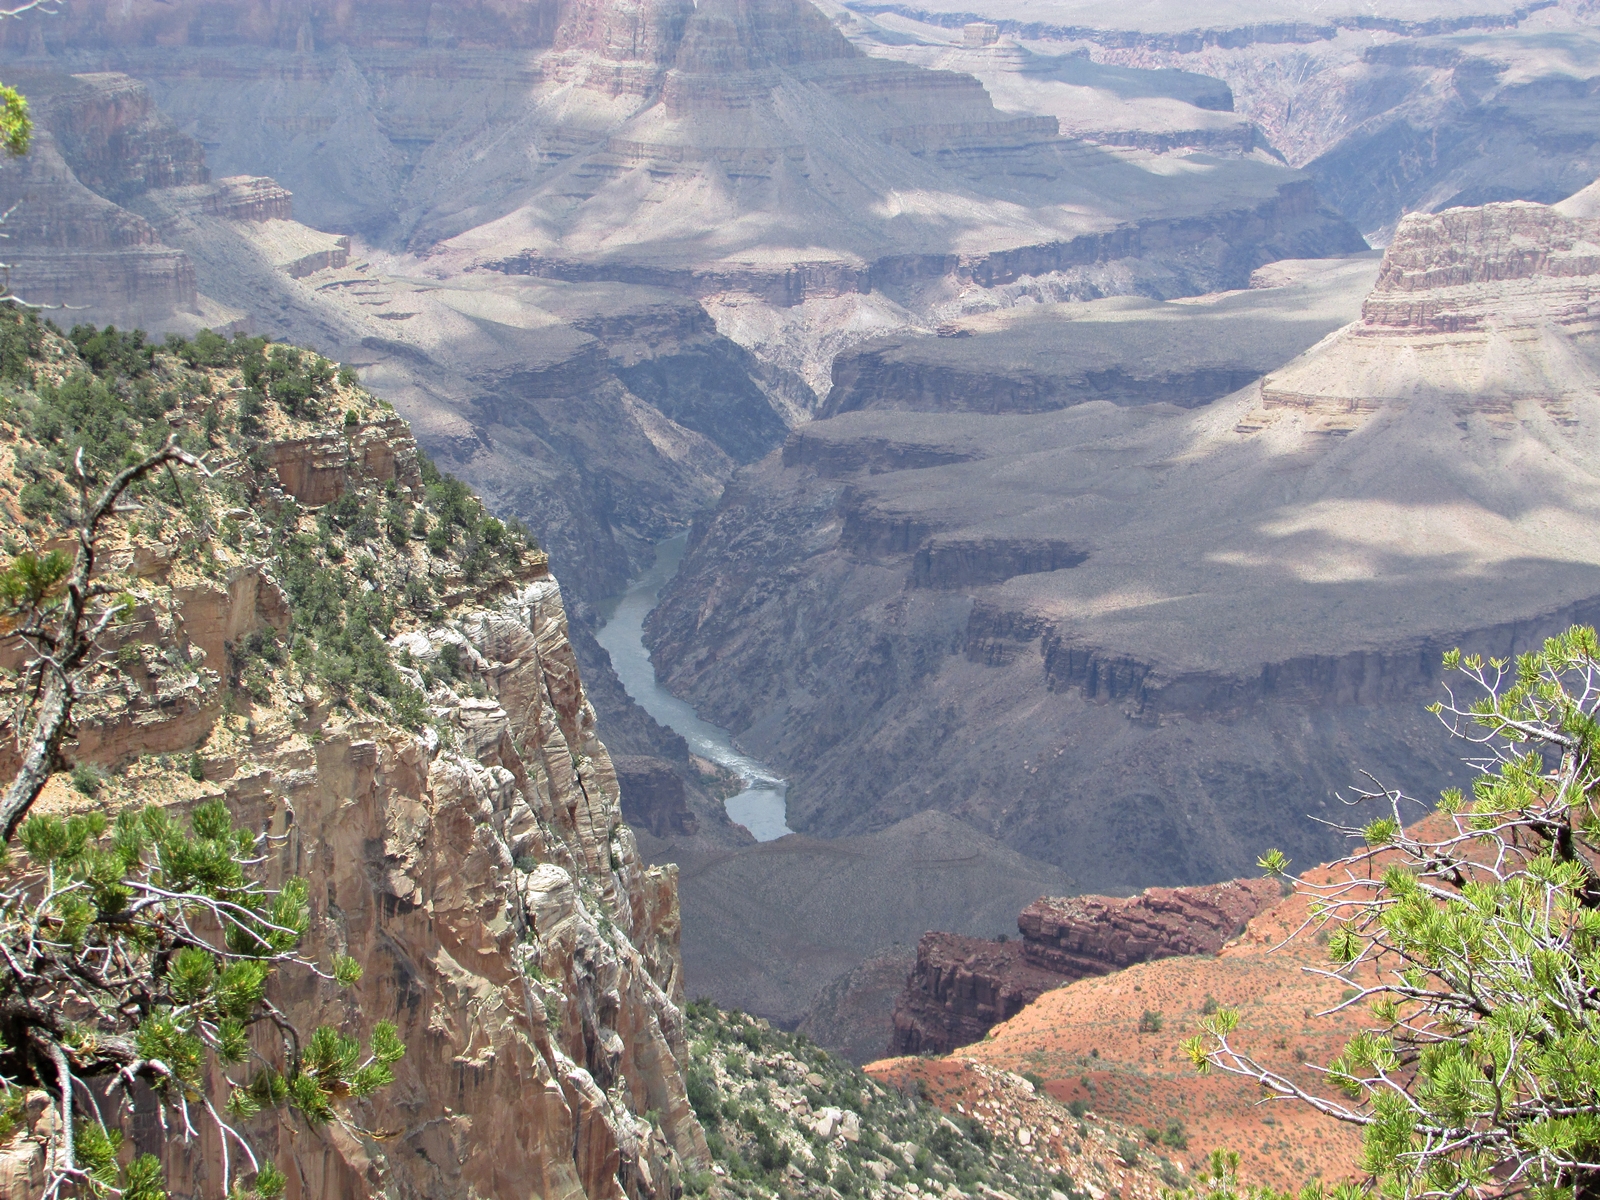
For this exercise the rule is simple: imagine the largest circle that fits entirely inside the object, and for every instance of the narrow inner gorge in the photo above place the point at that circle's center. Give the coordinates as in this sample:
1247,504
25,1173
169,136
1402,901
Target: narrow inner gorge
761,806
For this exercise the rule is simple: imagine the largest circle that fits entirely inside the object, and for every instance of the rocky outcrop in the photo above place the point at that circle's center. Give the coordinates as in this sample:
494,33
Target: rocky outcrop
1488,304
116,140
972,562
961,987
70,247
1093,935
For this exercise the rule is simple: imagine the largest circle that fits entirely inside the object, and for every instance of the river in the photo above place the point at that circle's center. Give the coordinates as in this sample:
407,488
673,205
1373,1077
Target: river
762,806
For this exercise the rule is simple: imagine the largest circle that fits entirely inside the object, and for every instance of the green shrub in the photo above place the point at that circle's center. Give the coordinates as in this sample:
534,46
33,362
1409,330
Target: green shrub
87,778
45,498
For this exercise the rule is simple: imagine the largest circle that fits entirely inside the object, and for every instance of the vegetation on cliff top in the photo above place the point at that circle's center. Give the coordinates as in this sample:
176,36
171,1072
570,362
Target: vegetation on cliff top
138,944
372,560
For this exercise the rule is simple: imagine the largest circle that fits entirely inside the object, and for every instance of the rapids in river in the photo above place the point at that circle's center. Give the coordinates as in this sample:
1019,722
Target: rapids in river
761,806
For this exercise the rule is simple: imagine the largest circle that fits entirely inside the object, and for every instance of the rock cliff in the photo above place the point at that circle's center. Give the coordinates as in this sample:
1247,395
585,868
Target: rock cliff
410,722
1108,1045
1257,592
738,152
959,989
962,987
1394,107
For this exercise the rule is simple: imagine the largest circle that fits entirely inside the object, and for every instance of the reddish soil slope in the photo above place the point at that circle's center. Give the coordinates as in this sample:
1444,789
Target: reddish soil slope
1085,1041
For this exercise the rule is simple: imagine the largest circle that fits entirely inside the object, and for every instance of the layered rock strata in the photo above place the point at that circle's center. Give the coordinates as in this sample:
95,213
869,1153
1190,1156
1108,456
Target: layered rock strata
1393,107
100,144
961,987
736,152
477,864
728,149
1257,598
1043,356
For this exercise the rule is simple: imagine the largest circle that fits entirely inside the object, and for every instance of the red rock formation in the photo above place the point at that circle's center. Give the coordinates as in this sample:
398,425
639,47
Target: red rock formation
1095,935
118,143
961,986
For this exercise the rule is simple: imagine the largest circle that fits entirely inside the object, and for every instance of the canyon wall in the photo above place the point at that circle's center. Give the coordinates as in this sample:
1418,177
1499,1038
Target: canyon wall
1171,637
961,987
1392,107
99,141
476,864
637,345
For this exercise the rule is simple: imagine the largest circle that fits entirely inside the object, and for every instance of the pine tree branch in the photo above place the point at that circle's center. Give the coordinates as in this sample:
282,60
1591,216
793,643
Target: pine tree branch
73,640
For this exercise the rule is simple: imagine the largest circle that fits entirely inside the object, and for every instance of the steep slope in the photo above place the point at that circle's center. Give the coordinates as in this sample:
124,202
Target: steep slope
342,644
785,1119
1139,641
1109,1046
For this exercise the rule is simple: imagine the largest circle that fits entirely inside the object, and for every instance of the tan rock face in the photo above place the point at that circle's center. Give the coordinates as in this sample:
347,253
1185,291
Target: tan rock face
479,869
483,875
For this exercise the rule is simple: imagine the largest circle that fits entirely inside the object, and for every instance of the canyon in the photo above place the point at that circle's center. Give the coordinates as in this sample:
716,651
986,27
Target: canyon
1391,107
602,261
600,272
1141,641
1074,501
